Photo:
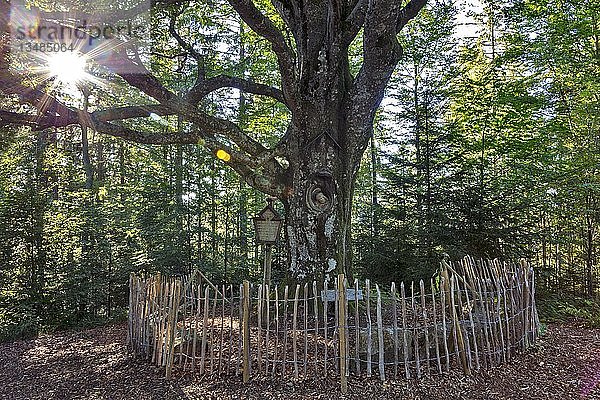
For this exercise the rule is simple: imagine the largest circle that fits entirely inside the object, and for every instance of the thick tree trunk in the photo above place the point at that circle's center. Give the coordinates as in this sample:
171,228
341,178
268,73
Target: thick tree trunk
332,124
319,209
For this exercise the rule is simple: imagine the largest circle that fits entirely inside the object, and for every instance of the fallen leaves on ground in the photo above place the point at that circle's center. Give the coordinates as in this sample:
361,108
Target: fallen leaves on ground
95,364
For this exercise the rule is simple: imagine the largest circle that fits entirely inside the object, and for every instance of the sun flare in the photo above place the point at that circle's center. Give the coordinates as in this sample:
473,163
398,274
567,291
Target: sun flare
67,67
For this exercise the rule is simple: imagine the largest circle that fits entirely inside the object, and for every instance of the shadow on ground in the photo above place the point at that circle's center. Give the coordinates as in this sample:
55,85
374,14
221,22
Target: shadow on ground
95,364
91,364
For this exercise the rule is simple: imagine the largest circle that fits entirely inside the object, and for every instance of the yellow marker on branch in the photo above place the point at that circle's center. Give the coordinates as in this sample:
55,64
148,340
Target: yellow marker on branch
223,155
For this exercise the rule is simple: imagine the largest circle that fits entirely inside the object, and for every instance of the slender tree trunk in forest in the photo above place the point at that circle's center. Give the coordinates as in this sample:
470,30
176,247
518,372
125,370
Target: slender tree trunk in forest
243,223
213,217
226,252
418,151
122,170
570,258
589,247
199,211
428,195
109,291
243,202
490,115
38,256
179,181
482,162
100,161
87,234
85,147
544,234
374,192
179,208
557,255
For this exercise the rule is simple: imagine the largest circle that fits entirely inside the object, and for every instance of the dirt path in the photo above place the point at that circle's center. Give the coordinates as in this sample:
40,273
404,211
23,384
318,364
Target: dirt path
94,364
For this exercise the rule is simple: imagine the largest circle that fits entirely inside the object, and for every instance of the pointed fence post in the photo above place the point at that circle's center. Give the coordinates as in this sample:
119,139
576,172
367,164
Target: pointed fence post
343,337
175,298
246,332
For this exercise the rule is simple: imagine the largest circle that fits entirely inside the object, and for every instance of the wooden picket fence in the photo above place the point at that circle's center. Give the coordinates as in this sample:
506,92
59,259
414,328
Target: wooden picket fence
472,315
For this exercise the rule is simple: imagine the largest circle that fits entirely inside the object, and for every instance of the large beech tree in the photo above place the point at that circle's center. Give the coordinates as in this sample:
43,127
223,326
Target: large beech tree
313,167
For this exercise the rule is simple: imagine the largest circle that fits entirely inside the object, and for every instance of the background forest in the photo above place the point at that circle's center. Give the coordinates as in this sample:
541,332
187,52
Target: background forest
487,144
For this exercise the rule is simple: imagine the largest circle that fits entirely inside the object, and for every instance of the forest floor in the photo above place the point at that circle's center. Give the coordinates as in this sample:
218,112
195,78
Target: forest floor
95,364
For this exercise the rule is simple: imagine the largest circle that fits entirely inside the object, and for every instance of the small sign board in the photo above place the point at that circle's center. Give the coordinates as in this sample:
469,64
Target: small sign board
331,295
267,231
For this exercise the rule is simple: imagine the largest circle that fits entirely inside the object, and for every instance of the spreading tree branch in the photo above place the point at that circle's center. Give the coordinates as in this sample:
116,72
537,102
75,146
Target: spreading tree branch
121,113
263,26
319,83
12,118
203,88
188,47
355,21
381,55
409,12
241,163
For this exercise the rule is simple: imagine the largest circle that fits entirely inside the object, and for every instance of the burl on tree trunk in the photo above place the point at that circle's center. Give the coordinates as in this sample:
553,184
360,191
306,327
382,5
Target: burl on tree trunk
313,168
